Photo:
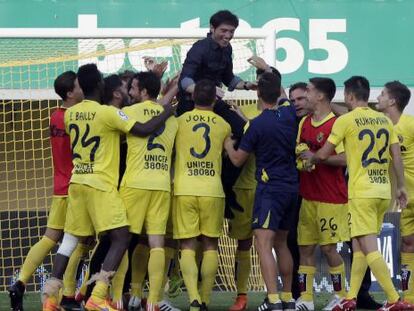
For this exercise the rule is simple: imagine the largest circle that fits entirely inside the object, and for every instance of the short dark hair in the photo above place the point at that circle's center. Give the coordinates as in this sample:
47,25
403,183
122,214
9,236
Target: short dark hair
149,81
269,87
399,92
65,83
111,82
126,75
325,85
259,72
224,17
204,93
358,86
297,85
89,78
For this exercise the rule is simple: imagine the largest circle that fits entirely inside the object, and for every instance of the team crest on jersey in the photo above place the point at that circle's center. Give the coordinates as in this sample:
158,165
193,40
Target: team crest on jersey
122,115
319,137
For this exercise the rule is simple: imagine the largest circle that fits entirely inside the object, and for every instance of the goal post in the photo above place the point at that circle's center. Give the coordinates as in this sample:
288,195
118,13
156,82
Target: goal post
30,60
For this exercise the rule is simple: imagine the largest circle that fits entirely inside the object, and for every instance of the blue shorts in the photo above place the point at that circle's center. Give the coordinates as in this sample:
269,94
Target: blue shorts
273,210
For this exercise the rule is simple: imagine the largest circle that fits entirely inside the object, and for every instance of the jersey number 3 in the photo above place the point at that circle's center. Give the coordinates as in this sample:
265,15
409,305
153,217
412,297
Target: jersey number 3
207,140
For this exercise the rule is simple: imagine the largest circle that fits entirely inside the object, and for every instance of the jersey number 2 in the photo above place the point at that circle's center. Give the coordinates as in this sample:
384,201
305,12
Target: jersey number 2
381,132
151,145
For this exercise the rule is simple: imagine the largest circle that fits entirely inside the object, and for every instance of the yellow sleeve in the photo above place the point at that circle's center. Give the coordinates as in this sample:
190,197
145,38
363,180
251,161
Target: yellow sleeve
119,120
338,131
300,129
340,148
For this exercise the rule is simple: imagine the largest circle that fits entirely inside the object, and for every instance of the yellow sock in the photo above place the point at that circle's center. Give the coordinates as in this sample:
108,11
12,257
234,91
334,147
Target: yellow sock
69,278
35,257
407,269
243,267
169,257
139,266
358,269
273,298
156,266
306,274
100,290
382,274
118,279
286,296
189,270
209,268
338,279
84,286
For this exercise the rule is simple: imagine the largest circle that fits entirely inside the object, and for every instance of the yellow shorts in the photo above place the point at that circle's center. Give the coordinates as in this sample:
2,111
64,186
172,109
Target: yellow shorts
92,211
322,223
407,220
146,208
240,227
367,215
57,213
193,216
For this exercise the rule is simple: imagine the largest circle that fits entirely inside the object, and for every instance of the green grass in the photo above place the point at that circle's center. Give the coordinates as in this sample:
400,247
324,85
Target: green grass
220,301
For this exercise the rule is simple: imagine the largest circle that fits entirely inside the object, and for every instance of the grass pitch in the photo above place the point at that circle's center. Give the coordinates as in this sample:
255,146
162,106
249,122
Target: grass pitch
220,301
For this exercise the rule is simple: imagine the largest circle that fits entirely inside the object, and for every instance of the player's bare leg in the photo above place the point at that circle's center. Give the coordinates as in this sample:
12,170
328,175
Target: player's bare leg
264,243
285,266
243,272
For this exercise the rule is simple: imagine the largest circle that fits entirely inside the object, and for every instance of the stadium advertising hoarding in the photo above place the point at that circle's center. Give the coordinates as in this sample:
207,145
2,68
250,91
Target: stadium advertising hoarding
333,38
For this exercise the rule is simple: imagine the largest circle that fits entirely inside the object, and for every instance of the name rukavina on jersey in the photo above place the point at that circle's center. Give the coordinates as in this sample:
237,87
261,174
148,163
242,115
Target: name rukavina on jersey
362,121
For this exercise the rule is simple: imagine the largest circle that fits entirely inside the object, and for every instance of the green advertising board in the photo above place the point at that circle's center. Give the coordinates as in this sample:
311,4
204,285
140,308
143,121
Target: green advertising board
335,38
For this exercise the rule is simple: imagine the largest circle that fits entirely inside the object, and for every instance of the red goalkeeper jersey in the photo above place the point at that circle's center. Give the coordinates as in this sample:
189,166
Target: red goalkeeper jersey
325,183
61,153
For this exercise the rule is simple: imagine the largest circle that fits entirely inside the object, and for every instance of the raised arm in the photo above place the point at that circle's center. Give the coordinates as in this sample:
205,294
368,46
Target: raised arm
191,65
171,90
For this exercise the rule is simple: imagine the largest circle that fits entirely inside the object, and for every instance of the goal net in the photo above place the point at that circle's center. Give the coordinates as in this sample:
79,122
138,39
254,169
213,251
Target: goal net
28,68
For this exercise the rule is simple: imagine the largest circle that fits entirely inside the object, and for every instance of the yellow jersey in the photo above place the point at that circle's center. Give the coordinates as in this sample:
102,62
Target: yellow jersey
94,131
405,132
249,108
199,146
149,158
247,177
367,136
